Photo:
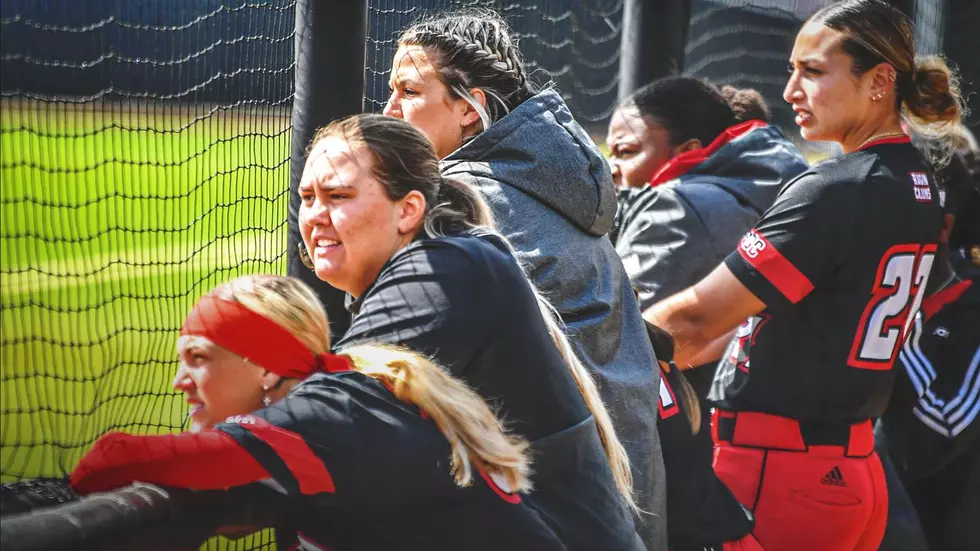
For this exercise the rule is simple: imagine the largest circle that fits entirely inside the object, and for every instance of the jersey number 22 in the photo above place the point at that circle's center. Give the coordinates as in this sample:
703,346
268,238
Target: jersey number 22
899,287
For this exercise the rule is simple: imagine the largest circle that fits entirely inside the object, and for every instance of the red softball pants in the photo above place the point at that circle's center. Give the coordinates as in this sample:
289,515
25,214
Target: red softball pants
821,493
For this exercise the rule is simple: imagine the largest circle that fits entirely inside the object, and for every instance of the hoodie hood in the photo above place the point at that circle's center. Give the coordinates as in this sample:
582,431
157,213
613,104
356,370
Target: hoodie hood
539,149
750,160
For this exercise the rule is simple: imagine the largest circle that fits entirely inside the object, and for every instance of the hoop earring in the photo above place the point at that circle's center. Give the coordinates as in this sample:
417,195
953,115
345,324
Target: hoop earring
304,256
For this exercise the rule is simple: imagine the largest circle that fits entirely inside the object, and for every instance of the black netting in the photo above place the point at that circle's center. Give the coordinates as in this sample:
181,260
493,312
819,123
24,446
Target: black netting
575,43
145,150
747,43
961,46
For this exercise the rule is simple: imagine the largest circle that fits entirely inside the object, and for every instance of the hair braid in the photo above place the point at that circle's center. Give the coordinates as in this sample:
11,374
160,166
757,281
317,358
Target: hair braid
474,49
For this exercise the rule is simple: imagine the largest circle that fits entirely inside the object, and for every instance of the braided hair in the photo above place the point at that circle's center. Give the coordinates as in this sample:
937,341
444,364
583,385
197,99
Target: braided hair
473,48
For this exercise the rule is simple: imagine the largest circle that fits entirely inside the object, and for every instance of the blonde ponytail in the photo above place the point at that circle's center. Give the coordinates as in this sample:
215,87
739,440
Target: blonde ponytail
616,455
476,436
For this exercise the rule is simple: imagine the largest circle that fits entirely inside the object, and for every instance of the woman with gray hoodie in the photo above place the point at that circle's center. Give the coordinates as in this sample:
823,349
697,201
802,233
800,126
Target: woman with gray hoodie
459,78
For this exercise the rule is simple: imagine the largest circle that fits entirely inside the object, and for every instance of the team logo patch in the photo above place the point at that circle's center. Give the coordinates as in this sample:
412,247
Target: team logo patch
752,244
920,186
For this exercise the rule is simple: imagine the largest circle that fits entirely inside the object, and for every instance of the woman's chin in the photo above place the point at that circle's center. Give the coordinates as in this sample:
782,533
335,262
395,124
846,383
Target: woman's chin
327,272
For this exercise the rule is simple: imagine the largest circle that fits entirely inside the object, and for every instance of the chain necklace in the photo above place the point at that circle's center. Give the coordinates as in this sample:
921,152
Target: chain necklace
881,137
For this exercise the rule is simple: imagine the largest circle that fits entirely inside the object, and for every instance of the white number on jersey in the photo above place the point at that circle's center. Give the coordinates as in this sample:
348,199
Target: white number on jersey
897,294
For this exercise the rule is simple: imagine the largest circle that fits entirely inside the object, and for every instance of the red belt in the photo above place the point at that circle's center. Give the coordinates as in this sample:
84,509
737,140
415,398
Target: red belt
752,429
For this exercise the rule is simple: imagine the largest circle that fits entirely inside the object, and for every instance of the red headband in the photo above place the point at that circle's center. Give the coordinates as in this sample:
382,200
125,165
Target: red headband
255,337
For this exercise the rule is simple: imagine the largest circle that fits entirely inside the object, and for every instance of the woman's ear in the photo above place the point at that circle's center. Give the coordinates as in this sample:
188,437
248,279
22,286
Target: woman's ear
412,212
689,145
882,81
270,380
470,114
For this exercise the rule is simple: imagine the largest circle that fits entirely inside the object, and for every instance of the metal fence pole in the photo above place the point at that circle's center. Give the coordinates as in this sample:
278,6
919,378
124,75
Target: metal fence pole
653,39
330,42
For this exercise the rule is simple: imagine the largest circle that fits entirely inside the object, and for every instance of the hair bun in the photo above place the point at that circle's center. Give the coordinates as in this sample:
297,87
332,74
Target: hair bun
933,95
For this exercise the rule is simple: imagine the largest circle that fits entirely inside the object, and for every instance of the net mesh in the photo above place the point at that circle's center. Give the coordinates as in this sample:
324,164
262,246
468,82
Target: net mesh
145,150
746,43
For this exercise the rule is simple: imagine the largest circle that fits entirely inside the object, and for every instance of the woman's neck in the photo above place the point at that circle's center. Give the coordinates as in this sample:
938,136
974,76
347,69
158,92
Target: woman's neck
889,126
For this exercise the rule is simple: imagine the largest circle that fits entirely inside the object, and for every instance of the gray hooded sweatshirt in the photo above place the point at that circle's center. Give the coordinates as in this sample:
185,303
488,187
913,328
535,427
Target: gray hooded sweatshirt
552,195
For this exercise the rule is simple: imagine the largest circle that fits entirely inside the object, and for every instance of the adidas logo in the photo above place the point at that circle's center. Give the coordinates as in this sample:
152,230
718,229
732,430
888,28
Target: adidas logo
833,478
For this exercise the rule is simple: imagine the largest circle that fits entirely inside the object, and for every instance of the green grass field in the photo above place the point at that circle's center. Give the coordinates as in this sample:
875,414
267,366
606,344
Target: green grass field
114,220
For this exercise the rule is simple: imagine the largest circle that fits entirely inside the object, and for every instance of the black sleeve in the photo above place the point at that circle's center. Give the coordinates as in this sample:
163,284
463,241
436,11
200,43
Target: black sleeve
433,300
943,423
798,243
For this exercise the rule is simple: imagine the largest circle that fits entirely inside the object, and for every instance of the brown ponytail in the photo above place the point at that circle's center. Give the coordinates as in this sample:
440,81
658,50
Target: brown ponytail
458,208
476,436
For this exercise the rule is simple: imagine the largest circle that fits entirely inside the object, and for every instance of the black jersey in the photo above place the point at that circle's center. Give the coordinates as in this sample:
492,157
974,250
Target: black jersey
465,301
933,421
702,512
841,261
362,470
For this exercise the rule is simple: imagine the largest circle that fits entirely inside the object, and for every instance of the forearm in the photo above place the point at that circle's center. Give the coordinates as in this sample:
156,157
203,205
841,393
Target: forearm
711,353
700,316
679,316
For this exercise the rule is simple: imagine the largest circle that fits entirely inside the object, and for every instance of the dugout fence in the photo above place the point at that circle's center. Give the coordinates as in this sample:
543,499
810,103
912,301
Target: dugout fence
147,150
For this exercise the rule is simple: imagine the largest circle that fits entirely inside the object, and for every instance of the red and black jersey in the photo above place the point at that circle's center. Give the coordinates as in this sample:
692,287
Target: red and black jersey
841,261
363,469
702,512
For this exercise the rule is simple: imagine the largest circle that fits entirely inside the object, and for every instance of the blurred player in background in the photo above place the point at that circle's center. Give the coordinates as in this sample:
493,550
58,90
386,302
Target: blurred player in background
825,287
702,513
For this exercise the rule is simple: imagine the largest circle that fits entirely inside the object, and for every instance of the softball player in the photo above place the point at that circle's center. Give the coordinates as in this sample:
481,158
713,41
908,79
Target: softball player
375,449
824,288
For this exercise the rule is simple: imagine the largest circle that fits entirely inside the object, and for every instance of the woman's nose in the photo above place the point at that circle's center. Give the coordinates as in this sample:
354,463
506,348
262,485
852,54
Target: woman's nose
182,380
390,109
316,214
792,92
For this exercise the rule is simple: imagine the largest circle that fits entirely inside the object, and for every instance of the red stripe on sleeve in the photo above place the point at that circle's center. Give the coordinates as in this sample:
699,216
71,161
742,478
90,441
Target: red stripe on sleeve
761,255
207,460
308,469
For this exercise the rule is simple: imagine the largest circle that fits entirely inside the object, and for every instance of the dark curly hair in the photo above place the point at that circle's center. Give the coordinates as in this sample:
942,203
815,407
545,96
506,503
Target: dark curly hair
687,108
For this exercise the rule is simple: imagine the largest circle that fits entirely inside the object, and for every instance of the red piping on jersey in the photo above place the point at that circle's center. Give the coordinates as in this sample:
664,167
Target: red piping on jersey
777,269
263,342
933,304
506,496
683,163
208,460
308,469
883,141
674,408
